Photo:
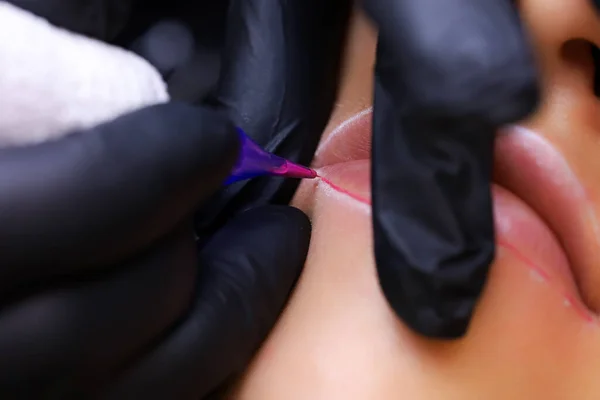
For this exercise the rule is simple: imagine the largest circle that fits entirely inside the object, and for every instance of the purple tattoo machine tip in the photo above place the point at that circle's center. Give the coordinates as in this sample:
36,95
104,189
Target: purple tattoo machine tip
253,161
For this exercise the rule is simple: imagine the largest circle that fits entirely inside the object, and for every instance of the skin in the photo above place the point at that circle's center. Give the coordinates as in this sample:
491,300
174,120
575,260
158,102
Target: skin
535,333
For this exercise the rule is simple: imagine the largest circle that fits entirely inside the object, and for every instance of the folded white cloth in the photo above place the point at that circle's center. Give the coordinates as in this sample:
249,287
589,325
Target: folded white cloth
53,81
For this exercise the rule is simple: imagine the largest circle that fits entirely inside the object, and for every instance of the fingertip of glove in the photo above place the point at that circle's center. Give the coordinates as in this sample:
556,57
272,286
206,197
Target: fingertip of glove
275,236
182,117
289,230
289,221
423,312
428,322
254,261
186,140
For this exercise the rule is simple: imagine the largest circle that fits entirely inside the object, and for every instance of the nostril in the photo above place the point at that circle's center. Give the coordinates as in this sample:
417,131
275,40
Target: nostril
596,59
580,60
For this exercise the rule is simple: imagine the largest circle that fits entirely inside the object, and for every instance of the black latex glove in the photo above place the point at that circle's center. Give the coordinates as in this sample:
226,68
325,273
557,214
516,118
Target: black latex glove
448,74
103,291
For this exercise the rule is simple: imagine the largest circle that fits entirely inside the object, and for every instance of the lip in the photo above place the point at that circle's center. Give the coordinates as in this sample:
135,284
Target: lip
532,168
349,141
540,207
343,158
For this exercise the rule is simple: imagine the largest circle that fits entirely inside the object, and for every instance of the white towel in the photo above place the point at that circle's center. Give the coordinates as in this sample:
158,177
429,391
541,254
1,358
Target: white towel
53,81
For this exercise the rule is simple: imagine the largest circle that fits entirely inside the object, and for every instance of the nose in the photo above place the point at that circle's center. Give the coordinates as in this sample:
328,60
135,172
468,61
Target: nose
565,35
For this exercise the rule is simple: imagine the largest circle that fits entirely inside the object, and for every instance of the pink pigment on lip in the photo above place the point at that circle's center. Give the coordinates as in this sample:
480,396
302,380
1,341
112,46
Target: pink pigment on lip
292,170
341,190
579,309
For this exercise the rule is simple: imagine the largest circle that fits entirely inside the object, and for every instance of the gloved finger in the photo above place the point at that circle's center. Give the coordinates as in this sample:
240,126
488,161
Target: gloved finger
65,340
102,19
183,41
432,219
247,272
448,74
278,81
99,195
456,59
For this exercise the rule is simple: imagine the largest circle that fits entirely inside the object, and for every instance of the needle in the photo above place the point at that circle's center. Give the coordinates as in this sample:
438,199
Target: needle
253,162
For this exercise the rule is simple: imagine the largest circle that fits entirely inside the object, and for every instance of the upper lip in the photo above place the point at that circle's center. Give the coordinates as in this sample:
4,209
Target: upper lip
350,141
534,170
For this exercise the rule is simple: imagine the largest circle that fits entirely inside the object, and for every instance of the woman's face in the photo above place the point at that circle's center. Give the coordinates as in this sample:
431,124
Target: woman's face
535,334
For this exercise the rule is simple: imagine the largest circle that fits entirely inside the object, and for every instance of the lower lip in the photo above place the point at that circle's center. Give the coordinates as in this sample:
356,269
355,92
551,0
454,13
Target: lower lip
519,229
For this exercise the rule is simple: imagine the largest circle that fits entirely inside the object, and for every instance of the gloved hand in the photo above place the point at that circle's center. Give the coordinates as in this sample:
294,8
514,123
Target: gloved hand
104,292
102,288
448,74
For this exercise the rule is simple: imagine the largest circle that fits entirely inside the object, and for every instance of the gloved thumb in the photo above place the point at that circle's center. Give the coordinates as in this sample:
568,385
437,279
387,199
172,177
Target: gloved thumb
99,195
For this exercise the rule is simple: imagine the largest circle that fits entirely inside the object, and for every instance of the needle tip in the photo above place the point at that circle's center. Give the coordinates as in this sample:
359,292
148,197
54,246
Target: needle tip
299,171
